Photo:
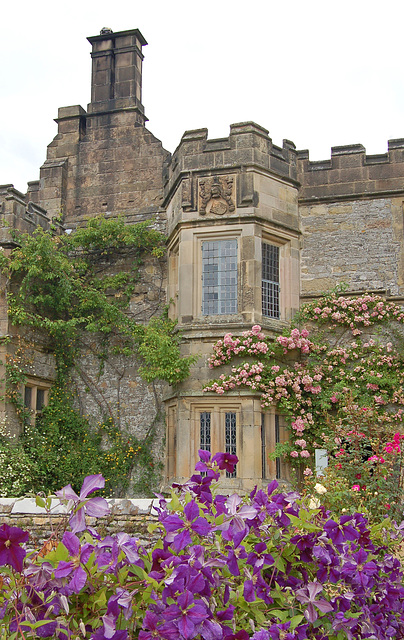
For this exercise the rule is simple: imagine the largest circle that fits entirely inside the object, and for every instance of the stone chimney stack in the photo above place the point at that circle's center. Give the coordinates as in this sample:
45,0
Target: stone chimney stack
116,83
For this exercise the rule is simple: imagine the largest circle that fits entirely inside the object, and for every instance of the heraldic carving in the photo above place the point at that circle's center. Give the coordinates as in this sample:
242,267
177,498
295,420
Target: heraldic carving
216,195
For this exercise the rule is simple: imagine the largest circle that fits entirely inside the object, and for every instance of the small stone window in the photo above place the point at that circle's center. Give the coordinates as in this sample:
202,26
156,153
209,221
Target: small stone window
219,277
35,399
270,281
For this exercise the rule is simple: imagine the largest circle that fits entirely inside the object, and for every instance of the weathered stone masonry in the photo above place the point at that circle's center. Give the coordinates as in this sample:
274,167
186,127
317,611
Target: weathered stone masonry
339,220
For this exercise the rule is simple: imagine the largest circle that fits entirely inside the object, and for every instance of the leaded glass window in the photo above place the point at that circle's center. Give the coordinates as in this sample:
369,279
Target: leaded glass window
205,438
230,439
270,280
277,441
219,277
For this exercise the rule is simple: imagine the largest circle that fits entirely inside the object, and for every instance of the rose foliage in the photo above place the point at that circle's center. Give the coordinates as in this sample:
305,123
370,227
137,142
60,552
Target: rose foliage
222,567
338,379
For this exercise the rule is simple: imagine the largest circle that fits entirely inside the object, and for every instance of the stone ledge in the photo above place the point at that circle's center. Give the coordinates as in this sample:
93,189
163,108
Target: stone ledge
122,506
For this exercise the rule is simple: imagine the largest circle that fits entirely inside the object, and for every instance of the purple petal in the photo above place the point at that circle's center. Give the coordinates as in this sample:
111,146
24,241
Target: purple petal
201,526
72,543
314,588
77,521
173,523
14,534
182,540
233,502
324,606
249,595
310,613
248,512
97,507
204,455
90,484
109,625
67,493
78,580
13,556
186,627
211,630
63,569
191,510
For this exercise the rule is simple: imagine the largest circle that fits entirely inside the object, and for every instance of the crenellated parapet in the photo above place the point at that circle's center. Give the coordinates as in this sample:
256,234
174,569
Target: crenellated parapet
18,214
352,174
248,147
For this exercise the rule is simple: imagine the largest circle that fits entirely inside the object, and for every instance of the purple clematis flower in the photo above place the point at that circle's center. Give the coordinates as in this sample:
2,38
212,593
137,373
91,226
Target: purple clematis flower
72,568
187,615
10,551
226,461
341,532
235,517
96,507
156,629
307,595
192,522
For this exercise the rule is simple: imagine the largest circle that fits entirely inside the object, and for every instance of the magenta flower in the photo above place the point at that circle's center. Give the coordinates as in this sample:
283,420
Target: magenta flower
10,551
192,522
308,596
187,615
96,507
226,461
79,555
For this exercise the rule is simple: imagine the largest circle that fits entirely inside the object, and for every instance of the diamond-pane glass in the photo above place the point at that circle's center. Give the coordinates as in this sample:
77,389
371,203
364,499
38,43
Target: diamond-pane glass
270,280
219,277
204,440
230,439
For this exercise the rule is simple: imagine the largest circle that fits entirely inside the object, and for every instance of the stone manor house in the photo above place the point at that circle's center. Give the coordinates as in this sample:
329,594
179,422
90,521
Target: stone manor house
253,230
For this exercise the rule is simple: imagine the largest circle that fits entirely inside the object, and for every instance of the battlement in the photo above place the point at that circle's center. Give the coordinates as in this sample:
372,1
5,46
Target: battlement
18,214
248,145
351,173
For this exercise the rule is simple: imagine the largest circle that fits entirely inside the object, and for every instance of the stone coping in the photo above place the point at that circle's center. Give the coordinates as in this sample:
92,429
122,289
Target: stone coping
28,506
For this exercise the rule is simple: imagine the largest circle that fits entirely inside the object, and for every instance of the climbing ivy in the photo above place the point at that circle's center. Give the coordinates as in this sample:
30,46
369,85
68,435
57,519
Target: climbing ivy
65,285
68,287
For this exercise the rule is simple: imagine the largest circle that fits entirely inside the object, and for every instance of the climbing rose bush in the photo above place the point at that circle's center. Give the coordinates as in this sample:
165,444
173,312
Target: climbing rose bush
261,566
320,372
365,465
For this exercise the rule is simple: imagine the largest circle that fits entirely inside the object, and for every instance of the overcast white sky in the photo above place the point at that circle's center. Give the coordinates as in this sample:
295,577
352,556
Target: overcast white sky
320,73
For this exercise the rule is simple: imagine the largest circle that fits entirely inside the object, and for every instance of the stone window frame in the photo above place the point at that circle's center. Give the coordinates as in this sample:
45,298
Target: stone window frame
222,289
213,235
35,386
271,285
217,411
283,242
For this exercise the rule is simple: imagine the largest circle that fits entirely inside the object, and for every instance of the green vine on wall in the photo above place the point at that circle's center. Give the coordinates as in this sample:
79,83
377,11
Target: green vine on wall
67,287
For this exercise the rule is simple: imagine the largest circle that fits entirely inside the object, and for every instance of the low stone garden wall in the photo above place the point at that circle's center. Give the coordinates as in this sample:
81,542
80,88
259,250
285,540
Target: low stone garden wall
130,516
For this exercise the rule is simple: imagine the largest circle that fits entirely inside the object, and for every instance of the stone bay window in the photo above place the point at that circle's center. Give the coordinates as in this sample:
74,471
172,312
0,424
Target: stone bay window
233,262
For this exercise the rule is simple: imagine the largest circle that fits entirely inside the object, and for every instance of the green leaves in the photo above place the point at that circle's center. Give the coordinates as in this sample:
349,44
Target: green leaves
83,282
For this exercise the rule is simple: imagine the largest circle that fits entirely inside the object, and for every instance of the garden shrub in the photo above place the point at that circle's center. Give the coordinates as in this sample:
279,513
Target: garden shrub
223,567
337,373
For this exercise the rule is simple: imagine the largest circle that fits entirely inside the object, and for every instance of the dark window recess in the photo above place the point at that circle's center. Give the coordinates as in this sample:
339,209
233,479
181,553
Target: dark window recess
270,281
204,440
40,399
263,448
277,441
28,397
230,439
